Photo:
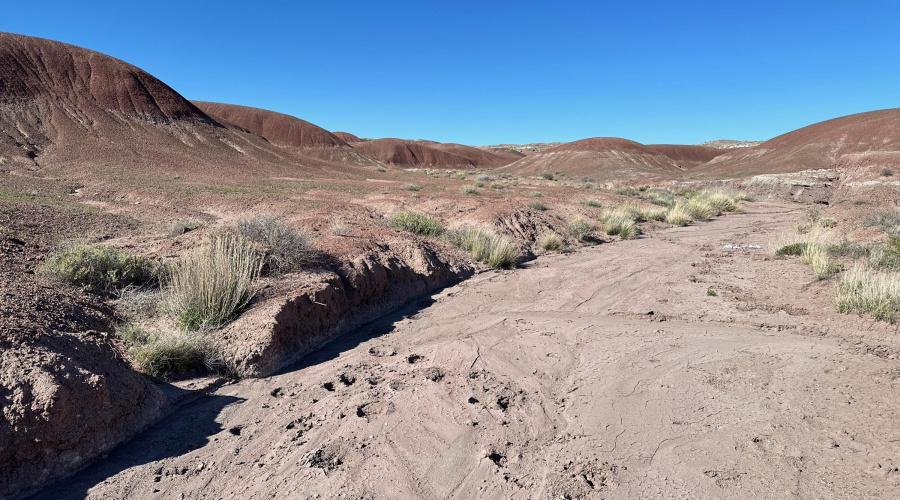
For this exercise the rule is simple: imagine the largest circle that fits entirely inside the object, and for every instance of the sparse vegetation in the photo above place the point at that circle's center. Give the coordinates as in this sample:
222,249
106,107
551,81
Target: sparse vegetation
661,197
484,178
552,242
497,185
485,246
3,160
711,293
181,227
581,229
536,194
621,221
627,191
338,228
546,176
212,284
411,187
99,269
416,223
593,203
284,247
884,173
380,169
699,209
863,290
887,221
795,249
538,206
469,190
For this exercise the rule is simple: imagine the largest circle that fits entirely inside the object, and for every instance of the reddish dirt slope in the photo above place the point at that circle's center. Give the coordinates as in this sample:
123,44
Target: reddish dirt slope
688,156
348,137
864,139
604,158
407,153
277,128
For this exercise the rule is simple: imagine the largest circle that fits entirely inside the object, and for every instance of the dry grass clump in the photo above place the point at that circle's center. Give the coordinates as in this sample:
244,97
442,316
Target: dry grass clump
485,246
536,194
469,190
99,269
628,191
661,197
538,206
164,354
417,223
812,246
581,228
742,196
863,290
700,209
593,203
212,284
411,187
621,221
679,215
552,242
284,247
182,227
888,221
654,213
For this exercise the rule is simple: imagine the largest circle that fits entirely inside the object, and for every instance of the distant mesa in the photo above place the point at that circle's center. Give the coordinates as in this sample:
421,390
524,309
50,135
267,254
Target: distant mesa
408,154
612,158
871,138
278,128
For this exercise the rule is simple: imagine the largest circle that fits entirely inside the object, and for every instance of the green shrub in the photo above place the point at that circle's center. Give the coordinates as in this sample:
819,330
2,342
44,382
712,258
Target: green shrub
866,291
212,284
497,251
593,203
538,206
380,169
581,229
99,269
552,242
712,293
796,249
285,248
417,223
479,184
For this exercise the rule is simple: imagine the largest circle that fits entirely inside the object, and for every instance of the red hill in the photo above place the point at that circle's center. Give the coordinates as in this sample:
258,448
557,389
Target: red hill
277,128
406,153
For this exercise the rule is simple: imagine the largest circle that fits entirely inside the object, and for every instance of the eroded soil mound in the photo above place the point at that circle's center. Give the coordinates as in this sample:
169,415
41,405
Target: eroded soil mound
406,153
66,392
277,128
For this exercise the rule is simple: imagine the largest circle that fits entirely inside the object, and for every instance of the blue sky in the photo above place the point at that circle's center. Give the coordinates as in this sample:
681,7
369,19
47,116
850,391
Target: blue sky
507,72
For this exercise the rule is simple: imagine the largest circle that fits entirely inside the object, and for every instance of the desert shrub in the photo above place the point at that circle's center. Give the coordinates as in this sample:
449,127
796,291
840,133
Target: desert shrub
700,209
580,228
165,354
3,160
852,250
886,255
711,293
888,221
552,242
284,247
485,246
742,196
863,290
661,197
721,202
627,191
547,176
417,223
593,203
538,206
814,213
479,184
687,192
828,223
679,215
212,284
380,169
338,228
181,227
654,213
469,190
484,178
497,185
536,194
815,253
795,249
411,187
99,269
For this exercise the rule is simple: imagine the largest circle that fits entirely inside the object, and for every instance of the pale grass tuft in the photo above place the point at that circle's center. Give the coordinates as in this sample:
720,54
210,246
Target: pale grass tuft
552,242
212,284
679,215
485,246
863,290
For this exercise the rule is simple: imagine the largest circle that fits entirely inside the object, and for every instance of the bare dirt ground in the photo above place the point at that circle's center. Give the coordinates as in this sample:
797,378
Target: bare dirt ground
607,373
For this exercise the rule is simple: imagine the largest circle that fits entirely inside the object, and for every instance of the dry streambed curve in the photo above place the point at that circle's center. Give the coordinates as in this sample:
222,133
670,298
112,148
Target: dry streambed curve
556,381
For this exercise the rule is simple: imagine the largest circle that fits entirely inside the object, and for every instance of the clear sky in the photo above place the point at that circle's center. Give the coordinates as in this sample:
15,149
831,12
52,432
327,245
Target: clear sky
507,72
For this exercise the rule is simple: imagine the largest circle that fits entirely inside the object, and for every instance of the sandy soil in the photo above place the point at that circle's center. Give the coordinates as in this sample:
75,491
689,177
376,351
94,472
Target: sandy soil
607,373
